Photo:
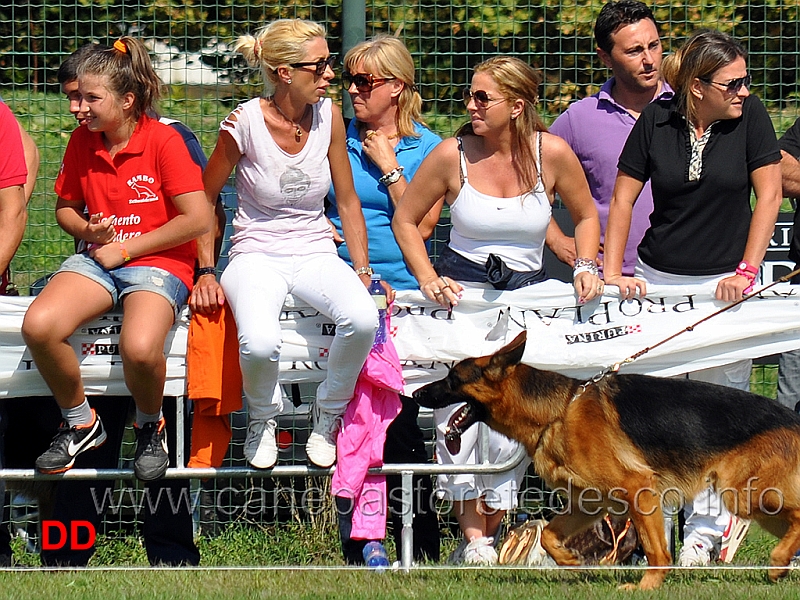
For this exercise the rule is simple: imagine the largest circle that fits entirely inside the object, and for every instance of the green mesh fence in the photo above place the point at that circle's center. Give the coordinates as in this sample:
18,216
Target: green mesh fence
190,44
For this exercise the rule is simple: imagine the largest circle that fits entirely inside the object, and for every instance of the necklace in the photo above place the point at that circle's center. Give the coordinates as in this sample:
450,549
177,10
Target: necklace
297,131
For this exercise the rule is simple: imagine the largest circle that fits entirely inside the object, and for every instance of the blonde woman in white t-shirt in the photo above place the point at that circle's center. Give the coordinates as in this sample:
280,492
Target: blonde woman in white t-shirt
288,147
499,176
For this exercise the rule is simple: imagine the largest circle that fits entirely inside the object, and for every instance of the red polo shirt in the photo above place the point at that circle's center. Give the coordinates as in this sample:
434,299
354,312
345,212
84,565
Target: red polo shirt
136,186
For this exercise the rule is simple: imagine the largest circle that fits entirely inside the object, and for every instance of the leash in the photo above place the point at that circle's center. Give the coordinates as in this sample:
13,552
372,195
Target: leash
618,365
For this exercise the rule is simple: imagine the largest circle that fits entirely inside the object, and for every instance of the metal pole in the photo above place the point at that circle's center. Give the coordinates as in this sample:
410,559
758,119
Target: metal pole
354,30
407,534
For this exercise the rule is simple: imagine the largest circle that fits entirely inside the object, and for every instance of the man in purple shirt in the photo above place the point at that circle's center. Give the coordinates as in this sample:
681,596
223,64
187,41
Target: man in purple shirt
596,127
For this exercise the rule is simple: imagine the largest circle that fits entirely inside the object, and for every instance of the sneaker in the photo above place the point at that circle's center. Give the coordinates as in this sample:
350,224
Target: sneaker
695,555
260,447
152,456
321,444
732,537
480,551
68,443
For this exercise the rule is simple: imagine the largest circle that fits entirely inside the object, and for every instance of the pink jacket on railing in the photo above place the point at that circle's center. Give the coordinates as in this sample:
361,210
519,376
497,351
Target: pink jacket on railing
374,406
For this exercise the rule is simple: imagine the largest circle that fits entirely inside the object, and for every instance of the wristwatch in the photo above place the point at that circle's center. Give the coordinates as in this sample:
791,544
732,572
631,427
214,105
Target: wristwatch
746,266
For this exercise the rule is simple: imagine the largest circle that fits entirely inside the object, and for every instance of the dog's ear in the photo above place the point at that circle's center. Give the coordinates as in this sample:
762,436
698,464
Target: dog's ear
510,354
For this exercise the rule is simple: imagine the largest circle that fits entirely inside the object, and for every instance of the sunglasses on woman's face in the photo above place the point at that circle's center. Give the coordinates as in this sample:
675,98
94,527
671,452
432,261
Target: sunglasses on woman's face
319,65
482,99
734,85
364,82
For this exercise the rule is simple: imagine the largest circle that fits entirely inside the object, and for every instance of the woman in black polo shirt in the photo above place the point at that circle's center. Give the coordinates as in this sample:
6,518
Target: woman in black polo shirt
703,151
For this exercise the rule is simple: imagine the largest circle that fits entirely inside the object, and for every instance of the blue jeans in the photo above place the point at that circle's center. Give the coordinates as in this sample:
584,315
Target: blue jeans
124,280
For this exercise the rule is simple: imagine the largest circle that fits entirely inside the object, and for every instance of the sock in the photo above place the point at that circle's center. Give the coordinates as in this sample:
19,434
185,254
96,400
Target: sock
143,418
78,415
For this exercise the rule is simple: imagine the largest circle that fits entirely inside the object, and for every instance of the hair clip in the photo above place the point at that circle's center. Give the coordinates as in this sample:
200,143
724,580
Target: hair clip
121,46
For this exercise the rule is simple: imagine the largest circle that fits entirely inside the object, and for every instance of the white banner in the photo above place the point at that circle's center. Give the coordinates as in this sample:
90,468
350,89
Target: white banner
579,341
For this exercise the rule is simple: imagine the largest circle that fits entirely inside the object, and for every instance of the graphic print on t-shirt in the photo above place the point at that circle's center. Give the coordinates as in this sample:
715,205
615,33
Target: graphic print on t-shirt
294,185
140,184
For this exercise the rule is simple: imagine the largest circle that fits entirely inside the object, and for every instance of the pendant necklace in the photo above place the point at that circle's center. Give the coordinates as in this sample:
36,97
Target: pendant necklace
297,131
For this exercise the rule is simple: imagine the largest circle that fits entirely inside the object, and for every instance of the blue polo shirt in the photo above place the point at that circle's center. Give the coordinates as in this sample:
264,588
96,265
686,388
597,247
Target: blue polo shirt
385,256
596,129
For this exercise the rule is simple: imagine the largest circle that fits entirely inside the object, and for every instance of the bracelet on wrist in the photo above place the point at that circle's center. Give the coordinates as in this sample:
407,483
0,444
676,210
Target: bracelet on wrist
392,176
200,271
746,267
364,271
125,256
584,265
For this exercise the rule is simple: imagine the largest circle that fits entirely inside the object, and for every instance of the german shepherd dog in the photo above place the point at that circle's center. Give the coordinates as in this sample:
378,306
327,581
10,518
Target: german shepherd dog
626,444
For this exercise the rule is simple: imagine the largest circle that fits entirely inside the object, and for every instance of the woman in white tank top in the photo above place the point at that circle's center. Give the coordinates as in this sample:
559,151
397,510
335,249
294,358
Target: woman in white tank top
499,177
288,147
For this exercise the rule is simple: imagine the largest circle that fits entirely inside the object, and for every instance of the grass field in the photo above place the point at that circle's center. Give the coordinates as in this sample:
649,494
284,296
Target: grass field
323,575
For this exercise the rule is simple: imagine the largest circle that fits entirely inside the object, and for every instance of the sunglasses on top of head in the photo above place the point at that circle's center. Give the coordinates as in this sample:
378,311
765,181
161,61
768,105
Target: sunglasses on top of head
319,65
734,85
364,82
482,99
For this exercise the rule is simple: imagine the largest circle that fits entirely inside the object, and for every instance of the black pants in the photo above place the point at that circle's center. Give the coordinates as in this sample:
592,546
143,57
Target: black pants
404,444
166,510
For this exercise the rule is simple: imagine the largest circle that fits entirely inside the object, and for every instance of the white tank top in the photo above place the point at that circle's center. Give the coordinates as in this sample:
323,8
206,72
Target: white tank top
513,228
281,208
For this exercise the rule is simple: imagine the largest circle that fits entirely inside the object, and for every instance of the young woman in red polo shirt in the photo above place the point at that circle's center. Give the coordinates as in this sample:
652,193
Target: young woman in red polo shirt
145,198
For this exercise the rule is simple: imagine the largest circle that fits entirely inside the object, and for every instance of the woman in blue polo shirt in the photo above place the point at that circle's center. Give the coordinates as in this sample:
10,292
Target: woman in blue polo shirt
386,143
703,151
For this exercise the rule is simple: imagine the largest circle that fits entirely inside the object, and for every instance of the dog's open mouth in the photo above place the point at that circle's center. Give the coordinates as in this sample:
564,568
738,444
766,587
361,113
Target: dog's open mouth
458,423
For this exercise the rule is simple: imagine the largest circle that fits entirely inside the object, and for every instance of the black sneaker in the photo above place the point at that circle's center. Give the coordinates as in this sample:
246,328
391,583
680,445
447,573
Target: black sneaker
68,443
152,457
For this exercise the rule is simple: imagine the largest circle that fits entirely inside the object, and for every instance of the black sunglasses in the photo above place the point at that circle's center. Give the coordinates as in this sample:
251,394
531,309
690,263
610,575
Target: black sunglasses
734,85
319,65
364,82
481,98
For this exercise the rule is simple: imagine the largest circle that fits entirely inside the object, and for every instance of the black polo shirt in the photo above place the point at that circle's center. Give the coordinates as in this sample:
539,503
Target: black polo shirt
790,143
698,227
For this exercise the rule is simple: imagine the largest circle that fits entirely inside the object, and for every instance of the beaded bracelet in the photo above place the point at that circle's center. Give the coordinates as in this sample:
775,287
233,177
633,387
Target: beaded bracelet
584,265
125,256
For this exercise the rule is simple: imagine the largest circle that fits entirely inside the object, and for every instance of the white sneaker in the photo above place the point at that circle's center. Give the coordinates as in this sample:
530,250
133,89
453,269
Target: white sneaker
321,444
732,538
695,555
260,447
480,551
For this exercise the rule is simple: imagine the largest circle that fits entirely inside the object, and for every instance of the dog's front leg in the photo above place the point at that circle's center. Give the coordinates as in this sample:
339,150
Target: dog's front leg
645,511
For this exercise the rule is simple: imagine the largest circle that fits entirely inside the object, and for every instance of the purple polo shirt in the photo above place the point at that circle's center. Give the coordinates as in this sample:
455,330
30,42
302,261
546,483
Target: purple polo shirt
596,129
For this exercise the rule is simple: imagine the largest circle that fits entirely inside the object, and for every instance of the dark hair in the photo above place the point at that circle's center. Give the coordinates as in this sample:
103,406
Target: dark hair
68,71
128,69
614,15
703,54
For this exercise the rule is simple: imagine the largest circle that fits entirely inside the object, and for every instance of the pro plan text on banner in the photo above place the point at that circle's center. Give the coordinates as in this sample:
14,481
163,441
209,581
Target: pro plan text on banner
564,336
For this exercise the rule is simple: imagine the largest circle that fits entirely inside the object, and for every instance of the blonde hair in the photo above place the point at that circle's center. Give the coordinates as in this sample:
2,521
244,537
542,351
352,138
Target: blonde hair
703,54
278,44
128,69
387,56
517,80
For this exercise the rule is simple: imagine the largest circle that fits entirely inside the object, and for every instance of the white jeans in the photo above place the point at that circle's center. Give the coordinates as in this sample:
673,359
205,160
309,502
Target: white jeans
706,517
256,286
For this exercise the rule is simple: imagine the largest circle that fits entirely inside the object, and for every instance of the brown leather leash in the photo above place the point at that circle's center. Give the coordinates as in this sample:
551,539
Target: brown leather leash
616,366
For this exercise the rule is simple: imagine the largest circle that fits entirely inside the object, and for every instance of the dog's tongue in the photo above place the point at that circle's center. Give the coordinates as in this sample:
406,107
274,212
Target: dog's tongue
460,420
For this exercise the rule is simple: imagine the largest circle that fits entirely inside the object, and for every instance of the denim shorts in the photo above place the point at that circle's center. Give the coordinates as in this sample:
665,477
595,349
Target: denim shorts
124,280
